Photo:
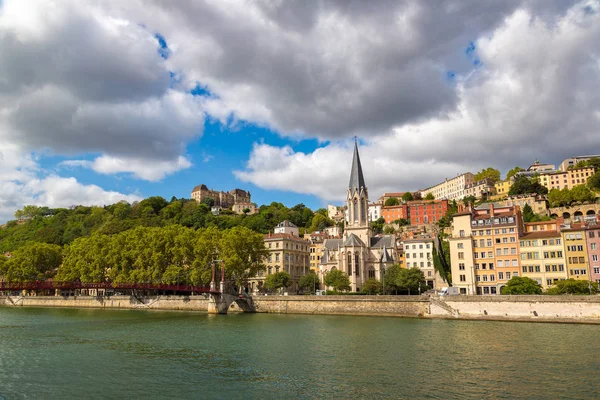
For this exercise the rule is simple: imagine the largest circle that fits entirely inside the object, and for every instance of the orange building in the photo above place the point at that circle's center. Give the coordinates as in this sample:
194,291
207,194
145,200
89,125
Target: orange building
425,212
392,213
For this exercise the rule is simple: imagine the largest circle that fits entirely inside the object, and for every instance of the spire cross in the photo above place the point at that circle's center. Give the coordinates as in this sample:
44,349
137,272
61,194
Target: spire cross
355,139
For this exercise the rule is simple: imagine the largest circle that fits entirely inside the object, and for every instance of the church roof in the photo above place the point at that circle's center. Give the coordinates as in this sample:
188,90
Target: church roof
381,241
357,180
332,244
386,257
353,240
325,256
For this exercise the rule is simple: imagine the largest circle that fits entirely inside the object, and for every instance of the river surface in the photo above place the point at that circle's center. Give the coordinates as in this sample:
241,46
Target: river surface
102,354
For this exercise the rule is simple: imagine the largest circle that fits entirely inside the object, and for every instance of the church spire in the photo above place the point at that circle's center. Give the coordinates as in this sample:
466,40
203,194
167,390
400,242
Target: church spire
357,180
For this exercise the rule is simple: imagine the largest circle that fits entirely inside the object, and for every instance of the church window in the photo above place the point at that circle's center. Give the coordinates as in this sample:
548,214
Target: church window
356,264
355,213
371,272
349,264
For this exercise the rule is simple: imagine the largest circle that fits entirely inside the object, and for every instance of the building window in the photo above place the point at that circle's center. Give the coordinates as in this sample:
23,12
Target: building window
461,255
463,278
461,266
460,246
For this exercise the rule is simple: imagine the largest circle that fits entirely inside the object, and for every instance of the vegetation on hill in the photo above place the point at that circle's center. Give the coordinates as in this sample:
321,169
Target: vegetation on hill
489,172
565,197
62,226
513,172
525,185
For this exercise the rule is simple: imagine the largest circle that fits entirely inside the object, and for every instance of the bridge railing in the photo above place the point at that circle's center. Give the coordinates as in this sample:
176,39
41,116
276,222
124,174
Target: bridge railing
44,285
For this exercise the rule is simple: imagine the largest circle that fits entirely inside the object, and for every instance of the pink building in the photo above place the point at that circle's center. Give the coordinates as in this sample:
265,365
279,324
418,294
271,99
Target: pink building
592,236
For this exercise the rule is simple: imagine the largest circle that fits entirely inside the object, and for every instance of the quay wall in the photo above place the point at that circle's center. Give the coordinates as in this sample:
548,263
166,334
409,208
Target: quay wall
189,303
579,309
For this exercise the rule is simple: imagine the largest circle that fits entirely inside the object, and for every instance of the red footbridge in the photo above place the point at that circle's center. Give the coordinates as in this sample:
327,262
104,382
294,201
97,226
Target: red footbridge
44,285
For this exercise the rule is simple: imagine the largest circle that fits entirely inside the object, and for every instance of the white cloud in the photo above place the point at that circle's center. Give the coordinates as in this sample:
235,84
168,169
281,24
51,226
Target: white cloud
536,95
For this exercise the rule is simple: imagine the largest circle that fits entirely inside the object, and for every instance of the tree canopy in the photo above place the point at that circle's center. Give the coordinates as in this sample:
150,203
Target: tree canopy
525,185
392,201
513,172
408,196
337,279
371,286
566,197
32,262
309,281
429,196
573,286
278,280
522,285
489,172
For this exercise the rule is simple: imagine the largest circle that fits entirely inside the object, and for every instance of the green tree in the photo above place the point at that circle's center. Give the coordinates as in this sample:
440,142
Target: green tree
408,196
489,172
309,282
411,279
441,258
377,225
525,185
34,261
243,252
513,172
208,201
528,214
392,201
573,286
278,280
429,196
371,286
320,222
522,285
582,193
469,200
402,222
390,278
337,279
389,230
593,181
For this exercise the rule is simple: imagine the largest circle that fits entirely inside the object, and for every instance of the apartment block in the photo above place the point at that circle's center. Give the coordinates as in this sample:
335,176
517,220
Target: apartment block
418,254
484,188
572,162
576,252
538,203
392,213
451,189
495,247
424,212
461,253
542,253
592,234
374,211
503,187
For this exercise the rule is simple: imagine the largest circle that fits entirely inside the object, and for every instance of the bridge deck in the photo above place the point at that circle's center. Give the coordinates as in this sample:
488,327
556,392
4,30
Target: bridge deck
4,286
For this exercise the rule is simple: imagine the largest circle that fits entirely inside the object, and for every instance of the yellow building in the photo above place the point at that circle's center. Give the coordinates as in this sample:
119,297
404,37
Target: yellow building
576,253
461,253
494,240
542,253
287,253
503,187
566,179
537,203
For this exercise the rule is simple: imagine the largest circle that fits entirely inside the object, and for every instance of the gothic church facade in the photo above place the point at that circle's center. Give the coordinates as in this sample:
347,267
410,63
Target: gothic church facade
358,253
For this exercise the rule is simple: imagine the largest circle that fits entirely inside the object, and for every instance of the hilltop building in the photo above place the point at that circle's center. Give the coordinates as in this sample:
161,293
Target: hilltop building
221,199
358,253
451,189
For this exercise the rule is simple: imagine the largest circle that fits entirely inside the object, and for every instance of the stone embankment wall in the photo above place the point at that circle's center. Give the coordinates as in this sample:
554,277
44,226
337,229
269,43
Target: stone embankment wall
585,309
520,308
404,306
190,303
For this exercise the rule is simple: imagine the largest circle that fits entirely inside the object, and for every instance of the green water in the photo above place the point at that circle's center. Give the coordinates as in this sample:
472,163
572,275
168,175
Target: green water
98,354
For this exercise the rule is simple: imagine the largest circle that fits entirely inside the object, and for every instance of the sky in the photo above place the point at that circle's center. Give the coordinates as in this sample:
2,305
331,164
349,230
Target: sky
103,101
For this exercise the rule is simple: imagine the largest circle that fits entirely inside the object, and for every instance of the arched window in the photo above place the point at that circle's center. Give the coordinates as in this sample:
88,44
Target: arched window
363,206
356,264
371,272
349,264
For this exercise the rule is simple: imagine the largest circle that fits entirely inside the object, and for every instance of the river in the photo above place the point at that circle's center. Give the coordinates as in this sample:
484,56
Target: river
100,354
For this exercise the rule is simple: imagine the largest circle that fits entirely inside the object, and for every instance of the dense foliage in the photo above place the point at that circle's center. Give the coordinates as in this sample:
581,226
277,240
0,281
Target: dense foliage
429,196
566,197
32,262
490,173
513,172
62,226
530,216
278,280
337,279
401,279
573,286
392,201
525,185
371,286
522,285
172,255
408,196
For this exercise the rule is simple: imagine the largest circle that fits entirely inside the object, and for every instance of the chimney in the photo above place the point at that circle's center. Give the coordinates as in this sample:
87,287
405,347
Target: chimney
491,209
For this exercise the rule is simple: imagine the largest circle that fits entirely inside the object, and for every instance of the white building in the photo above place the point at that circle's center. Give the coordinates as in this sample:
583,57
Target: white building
286,227
451,189
418,253
374,211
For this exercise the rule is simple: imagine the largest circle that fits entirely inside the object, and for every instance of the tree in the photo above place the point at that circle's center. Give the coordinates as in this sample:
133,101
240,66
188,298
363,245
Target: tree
34,261
243,252
441,258
392,201
411,279
469,200
309,282
390,278
337,279
528,214
210,202
525,185
582,193
593,181
402,222
389,230
408,196
513,172
429,196
522,285
488,173
573,286
371,286
278,280
560,197
319,222
377,225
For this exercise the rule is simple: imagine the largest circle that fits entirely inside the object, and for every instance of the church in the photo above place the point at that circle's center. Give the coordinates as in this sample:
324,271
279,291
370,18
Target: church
358,253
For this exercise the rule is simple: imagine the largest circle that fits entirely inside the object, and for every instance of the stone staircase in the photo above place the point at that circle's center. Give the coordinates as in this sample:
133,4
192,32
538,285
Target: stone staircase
436,301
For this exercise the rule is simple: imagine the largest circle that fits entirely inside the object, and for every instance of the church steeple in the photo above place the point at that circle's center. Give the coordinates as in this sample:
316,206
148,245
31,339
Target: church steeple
358,195
357,180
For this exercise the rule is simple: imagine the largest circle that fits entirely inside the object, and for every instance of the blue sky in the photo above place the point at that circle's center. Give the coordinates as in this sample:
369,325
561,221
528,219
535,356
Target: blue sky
124,100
